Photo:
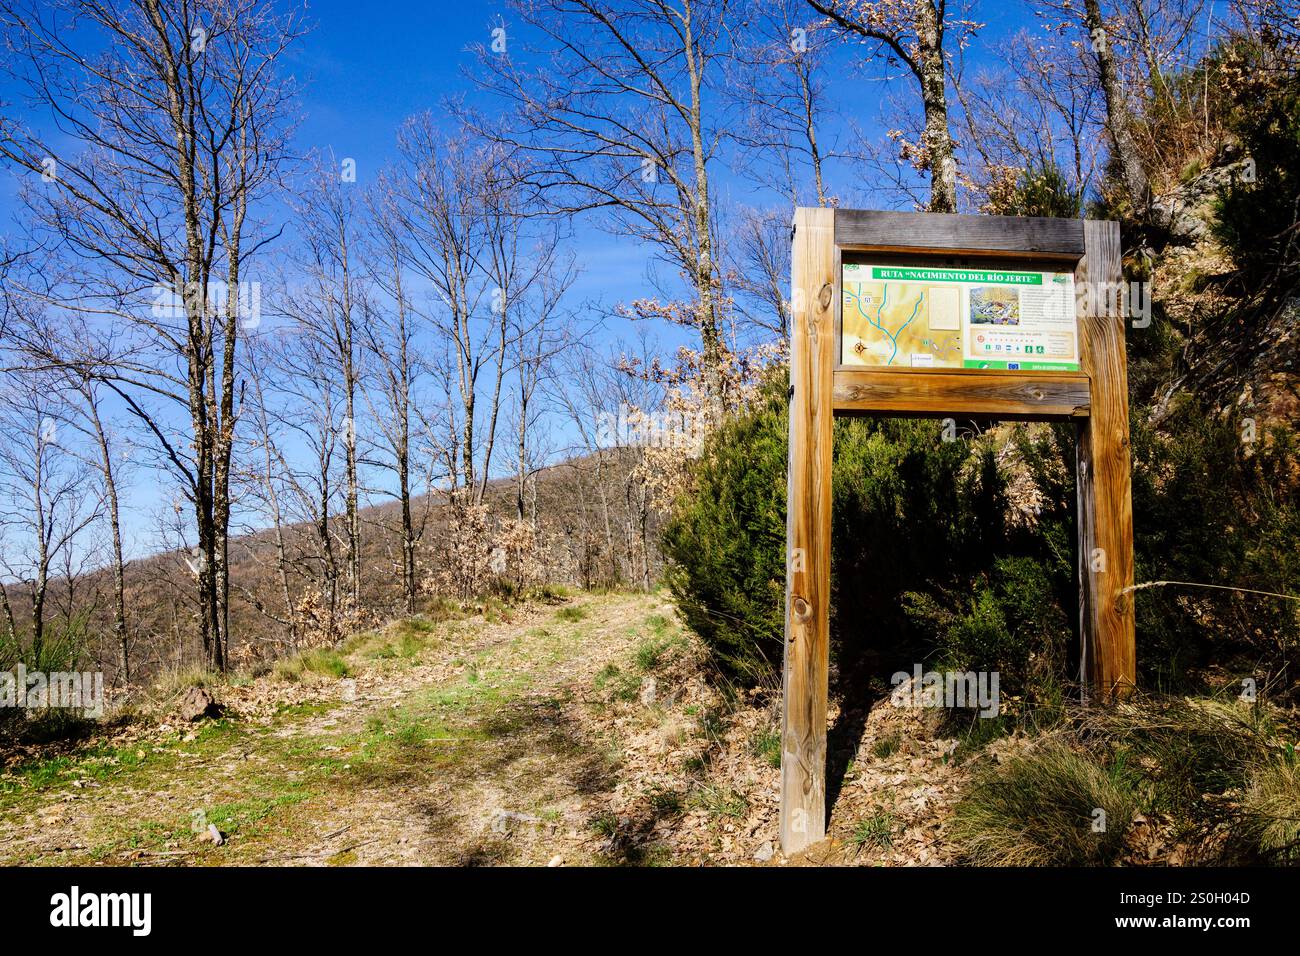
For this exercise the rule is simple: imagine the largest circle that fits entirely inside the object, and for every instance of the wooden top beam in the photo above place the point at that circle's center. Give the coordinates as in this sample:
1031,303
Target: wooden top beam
1024,396
929,232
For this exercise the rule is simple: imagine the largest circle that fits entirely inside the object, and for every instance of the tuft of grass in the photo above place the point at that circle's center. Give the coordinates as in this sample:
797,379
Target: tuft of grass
664,802
619,685
766,744
328,662
1188,747
177,680
1040,809
885,746
319,660
650,654
288,668
550,593
876,830
974,733
721,801
572,613
1270,811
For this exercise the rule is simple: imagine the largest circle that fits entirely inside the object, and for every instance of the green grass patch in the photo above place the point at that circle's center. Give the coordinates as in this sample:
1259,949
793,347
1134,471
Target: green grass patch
876,830
766,744
650,654
319,660
721,801
571,613
885,747
617,684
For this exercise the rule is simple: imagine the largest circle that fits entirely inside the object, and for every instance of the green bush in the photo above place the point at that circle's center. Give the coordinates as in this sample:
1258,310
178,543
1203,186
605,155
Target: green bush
62,649
1256,214
726,542
1040,809
1209,508
1043,190
912,515
927,566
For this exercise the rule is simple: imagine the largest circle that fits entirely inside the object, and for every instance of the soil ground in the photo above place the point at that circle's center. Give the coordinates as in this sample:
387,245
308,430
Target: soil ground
578,733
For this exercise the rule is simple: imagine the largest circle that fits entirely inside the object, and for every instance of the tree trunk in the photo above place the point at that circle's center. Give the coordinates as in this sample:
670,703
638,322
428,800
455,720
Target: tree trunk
934,102
120,638
1137,188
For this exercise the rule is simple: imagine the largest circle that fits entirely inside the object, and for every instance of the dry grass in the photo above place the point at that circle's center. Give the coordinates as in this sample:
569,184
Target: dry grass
1045,808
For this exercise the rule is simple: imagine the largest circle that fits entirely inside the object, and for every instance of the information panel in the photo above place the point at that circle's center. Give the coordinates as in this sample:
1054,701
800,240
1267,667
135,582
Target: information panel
935,317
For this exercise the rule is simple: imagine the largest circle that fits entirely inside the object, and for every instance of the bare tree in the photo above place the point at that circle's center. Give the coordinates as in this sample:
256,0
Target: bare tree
86,414
46,496
758,257
780,83
391,337
174,118
618,117
1137,186
912,32
307,406
1038,107
463,228
265,477
328,306
537,338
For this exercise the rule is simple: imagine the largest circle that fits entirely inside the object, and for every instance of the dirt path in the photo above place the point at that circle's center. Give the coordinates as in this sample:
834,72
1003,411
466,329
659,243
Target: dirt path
575,734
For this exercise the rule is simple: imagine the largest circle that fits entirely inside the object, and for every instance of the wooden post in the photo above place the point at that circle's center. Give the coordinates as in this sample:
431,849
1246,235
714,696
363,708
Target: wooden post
1105,499
808,530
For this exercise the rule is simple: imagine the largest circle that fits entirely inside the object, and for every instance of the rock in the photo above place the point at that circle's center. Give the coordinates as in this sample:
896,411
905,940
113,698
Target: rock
556,860
197,704
765,852
649,689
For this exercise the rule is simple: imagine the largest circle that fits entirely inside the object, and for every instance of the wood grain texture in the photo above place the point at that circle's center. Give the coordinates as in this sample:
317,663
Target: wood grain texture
1105,499
808,532
1026,396
1018,236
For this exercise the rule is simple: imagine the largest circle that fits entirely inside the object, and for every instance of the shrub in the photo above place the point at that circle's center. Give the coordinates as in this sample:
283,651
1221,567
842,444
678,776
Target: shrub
1256,215
1206,511
1038,809
965,551
62,649
726,541
895,481
1038,191
1271,812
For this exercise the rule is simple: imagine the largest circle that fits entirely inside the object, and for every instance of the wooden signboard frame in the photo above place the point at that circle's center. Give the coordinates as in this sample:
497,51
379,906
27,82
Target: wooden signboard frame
1095,398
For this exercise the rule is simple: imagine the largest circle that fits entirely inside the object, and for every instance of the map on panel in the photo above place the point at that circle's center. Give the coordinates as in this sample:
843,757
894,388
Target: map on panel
930,317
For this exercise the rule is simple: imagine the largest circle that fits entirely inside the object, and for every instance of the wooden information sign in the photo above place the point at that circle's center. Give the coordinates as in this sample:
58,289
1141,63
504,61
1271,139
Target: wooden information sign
925,314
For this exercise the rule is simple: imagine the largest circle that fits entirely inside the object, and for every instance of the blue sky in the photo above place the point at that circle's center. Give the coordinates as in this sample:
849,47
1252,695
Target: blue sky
364,68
